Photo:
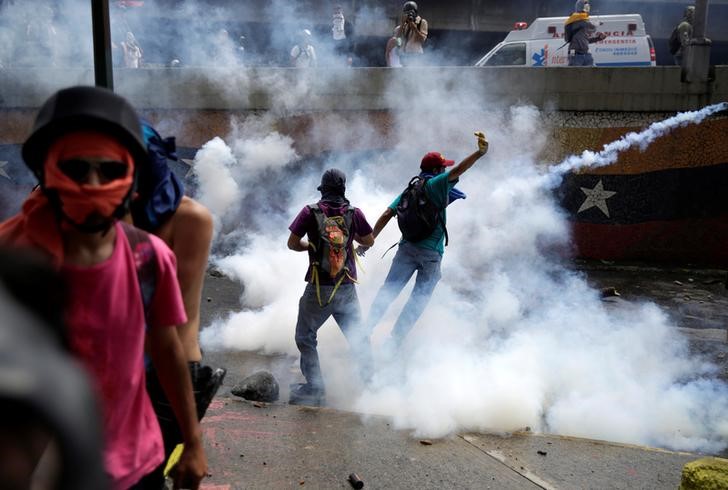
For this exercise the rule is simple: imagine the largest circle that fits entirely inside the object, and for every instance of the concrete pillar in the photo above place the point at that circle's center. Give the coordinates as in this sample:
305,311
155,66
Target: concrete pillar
696,59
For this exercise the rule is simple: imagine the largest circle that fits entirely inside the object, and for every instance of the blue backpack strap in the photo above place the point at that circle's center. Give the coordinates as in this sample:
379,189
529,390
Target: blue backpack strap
144,262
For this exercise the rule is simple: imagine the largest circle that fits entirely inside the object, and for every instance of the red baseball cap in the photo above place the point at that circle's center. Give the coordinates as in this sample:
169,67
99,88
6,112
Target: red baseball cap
434,160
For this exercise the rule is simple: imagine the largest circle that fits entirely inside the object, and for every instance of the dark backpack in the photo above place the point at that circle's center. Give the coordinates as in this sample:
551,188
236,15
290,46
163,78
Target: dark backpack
417,215
674,41
568,33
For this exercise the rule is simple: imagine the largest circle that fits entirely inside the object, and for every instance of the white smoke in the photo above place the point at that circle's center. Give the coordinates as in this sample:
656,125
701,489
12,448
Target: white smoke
213,167
511,338
641,140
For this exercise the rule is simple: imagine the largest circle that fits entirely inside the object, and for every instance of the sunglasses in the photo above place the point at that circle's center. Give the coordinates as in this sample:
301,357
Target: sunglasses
79,170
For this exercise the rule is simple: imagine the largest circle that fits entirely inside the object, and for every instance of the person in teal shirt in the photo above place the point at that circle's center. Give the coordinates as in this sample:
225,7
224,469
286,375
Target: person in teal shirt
424,256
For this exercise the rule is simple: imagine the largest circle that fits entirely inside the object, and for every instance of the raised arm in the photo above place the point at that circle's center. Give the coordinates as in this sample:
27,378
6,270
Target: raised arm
470,160
421,31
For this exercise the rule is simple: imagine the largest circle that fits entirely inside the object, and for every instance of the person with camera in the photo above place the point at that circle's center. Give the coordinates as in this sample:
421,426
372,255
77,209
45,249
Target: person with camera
411,34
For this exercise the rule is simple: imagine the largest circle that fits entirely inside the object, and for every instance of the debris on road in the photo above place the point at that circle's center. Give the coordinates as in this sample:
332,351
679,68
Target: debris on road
261,387
355,481
215,272
609,292
426,442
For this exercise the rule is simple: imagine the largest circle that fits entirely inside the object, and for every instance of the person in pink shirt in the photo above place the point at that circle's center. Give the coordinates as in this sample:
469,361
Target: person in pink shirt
121,282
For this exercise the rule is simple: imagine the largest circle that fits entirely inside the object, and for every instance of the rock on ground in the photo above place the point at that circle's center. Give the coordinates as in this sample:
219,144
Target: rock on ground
261,386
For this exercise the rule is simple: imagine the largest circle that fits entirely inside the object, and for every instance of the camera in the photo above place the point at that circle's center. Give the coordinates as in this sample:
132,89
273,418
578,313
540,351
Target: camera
411,15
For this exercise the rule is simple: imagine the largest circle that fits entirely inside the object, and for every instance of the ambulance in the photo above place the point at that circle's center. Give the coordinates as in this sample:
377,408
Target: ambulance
542,43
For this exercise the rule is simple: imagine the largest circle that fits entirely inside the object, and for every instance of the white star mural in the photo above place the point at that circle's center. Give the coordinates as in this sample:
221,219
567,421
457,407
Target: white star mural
189,163
3,173
596,197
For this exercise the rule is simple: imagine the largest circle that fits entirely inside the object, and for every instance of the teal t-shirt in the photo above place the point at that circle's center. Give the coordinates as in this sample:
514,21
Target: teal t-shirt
438,189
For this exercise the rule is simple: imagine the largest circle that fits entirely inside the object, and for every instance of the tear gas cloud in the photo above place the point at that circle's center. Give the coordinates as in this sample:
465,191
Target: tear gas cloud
512,337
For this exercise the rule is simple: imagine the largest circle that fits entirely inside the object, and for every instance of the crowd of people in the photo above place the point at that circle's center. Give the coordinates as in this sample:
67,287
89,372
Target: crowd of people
37,45
127,249
41,41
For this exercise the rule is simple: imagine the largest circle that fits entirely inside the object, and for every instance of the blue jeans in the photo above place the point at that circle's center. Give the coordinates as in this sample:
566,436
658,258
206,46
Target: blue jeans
408,260
346,311
577,59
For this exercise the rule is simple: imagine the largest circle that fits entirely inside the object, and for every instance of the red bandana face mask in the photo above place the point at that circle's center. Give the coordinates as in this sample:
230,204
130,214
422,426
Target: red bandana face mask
67,167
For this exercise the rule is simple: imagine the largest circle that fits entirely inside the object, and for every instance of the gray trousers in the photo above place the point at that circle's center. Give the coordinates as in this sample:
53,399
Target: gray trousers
345,309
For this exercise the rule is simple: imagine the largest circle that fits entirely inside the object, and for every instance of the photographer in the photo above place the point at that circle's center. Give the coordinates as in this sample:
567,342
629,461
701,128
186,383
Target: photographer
412,33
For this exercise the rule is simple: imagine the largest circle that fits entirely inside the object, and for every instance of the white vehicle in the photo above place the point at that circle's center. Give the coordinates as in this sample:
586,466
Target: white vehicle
542,43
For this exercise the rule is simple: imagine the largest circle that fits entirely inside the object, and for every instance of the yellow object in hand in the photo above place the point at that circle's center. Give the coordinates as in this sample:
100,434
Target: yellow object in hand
173,458
482,142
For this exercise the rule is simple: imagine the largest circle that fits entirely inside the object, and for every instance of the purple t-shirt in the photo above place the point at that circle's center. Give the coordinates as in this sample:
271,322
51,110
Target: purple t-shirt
305,225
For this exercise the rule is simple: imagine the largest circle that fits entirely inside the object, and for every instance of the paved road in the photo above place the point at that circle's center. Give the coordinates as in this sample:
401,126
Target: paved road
256,445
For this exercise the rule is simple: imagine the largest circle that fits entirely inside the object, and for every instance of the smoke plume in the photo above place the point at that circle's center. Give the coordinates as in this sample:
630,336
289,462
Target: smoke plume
512,338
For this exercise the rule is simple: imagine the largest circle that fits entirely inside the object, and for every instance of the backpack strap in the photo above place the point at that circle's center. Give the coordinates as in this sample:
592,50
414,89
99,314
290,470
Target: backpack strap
439,216
144,263
444,228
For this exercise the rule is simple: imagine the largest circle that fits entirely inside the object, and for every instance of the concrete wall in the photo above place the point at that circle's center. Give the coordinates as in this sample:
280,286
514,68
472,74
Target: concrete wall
657,89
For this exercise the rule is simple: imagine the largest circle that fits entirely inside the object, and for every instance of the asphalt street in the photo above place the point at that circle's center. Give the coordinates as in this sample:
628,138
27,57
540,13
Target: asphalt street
261,445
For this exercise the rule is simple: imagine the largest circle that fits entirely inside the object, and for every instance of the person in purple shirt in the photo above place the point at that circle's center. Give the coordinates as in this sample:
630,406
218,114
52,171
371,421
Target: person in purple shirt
327,231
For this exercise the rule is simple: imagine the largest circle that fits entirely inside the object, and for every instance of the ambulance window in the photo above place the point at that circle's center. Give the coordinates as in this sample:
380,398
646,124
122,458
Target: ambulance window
513,54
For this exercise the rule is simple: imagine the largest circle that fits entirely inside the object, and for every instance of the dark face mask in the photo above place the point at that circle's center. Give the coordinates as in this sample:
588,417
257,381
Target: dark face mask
335,195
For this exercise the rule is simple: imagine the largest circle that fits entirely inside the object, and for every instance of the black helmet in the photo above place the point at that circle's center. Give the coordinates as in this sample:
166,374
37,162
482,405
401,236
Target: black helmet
409,6
78,108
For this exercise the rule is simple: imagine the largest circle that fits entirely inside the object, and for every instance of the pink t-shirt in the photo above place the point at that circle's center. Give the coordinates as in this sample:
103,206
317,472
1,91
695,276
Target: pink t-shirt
105,318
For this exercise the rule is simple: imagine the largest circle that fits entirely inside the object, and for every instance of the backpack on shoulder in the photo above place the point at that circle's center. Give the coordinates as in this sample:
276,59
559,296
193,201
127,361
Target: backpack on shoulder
329,255
674,42
417,215
568,33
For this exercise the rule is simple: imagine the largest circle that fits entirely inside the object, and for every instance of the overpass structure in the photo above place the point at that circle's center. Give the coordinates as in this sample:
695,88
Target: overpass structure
618,90
665,203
